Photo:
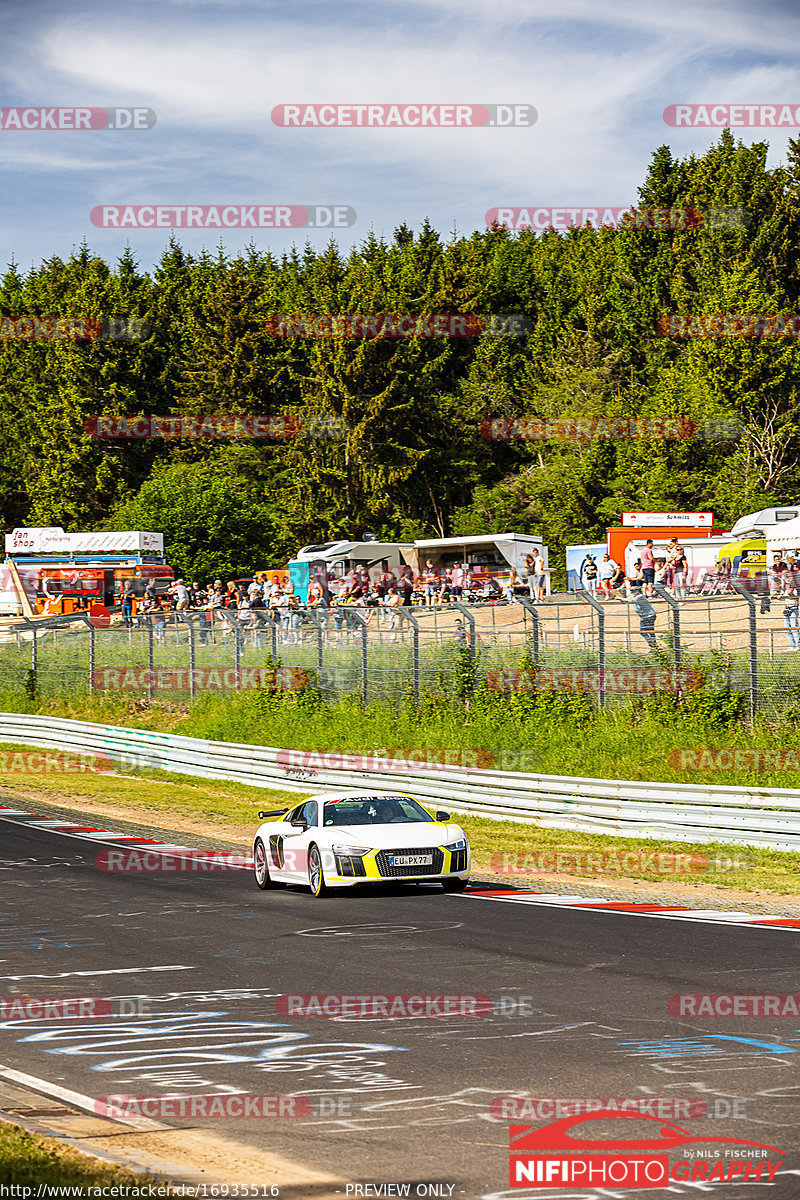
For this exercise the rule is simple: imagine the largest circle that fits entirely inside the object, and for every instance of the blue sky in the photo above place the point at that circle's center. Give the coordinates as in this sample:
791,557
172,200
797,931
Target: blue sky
599,76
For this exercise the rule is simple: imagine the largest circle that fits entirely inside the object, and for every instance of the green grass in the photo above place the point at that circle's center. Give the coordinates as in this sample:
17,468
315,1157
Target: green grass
27,1160
560,736
173,802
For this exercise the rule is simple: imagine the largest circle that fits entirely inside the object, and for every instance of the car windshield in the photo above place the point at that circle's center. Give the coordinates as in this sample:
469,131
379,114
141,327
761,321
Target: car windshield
375,810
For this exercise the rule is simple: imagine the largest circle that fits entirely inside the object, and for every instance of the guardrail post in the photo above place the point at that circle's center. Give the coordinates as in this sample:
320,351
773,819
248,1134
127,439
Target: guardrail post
405,615
530,607
237,649
473,648
91,656
743,590
462,608
189,621
150,659
315,616
661,591
353,615
601,644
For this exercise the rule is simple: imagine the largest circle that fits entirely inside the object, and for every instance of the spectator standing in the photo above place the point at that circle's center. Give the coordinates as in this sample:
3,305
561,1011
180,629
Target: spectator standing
680,568
127,604
181,596
460,636
539,575
790,622
156,611
648,568
406,586
669,574
608,569
776,575
258,617
589,574
392,602
645,612
457,582
431,582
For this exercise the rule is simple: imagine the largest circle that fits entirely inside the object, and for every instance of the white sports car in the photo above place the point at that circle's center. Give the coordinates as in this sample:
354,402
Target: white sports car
339,839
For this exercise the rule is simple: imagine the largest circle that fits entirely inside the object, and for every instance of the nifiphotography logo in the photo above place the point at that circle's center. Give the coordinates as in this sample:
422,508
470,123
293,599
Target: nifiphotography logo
552,1156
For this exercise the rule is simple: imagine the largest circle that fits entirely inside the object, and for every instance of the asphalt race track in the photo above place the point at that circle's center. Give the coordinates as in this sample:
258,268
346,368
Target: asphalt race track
200,959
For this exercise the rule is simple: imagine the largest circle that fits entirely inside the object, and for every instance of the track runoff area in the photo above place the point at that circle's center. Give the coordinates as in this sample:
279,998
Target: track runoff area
395,1041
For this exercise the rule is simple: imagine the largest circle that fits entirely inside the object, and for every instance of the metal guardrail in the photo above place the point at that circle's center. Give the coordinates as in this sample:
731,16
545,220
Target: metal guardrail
765,818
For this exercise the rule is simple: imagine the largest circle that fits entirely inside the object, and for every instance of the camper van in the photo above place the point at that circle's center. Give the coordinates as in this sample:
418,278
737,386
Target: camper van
746,551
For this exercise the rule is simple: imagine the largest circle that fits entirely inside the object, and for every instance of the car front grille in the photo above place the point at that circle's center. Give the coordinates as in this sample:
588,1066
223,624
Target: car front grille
350,867
389,872
458,860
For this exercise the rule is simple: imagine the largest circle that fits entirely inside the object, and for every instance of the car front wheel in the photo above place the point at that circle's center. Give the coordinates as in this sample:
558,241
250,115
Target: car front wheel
260,866
316,877
454,885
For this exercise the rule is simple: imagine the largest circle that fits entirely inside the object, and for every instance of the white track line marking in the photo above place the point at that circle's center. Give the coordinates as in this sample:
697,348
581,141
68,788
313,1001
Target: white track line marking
75,1098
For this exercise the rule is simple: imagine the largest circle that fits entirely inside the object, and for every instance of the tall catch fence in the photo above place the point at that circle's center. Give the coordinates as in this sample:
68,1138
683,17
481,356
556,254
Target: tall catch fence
737,643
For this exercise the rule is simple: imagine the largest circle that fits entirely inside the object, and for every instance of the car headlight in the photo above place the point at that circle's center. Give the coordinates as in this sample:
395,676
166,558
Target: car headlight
350,851
461,844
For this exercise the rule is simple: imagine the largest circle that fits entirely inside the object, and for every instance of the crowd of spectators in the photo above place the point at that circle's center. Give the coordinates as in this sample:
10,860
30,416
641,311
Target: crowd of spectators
608,579
270,598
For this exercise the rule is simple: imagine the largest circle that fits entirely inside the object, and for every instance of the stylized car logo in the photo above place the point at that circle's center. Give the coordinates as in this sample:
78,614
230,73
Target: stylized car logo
556,1136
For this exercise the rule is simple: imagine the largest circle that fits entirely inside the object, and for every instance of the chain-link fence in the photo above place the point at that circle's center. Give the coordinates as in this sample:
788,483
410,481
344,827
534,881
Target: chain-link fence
745,643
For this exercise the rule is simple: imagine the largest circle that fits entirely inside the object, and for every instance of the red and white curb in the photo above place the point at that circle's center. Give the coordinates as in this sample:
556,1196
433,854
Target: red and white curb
108,837
666,912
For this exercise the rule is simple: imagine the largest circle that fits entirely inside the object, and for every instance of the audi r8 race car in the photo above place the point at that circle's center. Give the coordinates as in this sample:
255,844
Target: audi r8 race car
340,839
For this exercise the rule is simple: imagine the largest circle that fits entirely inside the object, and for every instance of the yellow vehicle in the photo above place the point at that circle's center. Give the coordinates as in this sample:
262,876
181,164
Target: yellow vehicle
746,557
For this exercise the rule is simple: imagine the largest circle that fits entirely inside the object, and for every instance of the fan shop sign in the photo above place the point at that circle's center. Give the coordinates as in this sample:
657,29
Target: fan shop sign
592,680
179,679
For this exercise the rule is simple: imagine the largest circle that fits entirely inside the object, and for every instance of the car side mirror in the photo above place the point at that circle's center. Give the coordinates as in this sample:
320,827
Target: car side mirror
442,816
299,824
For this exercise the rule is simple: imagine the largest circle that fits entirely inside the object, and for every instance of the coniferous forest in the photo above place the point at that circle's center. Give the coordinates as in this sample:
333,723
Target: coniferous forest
402,451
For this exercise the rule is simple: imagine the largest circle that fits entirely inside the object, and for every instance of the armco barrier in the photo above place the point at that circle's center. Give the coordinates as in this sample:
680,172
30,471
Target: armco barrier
768,818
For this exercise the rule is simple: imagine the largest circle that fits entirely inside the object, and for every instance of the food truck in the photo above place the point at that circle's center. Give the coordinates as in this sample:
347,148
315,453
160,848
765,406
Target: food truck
331,563
491,554
48,572
494,554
